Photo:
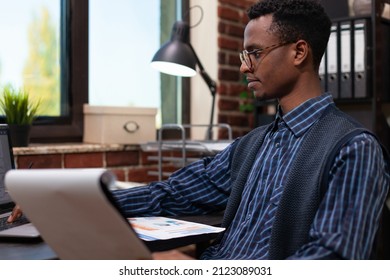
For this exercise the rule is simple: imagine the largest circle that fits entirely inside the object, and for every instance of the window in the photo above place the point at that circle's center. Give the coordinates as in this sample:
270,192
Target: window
30,50
63,90
123,37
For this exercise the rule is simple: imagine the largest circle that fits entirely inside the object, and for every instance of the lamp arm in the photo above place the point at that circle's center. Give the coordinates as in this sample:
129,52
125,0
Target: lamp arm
206,77
210,82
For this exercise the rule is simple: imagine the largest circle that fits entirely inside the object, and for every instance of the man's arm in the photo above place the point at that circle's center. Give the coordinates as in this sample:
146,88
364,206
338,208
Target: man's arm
347,220
199,188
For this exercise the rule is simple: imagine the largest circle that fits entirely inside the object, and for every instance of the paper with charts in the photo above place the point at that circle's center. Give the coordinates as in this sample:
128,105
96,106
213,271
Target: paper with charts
161,228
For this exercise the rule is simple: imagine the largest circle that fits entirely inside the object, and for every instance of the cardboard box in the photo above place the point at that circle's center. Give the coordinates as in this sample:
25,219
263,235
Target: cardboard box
119,125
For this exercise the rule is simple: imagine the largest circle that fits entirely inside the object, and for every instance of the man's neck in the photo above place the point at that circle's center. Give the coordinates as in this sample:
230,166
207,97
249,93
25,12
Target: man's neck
304,90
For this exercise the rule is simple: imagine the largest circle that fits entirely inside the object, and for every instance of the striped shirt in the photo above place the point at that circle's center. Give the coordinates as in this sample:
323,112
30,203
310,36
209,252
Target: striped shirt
344,225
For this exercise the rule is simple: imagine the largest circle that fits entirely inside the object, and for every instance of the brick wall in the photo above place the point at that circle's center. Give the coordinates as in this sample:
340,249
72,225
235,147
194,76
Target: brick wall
128,162
232,19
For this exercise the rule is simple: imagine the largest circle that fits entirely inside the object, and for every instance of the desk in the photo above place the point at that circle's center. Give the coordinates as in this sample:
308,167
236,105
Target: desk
39,250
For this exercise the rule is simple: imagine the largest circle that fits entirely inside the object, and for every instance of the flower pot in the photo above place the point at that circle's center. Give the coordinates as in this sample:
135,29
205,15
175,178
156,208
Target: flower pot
20,134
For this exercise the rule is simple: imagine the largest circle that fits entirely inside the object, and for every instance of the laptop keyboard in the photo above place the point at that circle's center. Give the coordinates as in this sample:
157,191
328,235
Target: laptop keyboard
4,225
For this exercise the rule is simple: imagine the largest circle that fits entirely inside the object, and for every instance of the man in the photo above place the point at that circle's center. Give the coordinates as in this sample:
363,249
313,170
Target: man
311,185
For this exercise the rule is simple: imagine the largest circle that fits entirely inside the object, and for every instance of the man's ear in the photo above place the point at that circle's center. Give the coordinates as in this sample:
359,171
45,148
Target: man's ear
302,51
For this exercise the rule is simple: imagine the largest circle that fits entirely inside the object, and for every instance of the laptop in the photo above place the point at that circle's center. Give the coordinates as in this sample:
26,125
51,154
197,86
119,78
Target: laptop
75,213
21,229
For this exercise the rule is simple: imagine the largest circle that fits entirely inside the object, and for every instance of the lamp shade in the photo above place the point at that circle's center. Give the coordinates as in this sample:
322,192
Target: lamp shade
176,57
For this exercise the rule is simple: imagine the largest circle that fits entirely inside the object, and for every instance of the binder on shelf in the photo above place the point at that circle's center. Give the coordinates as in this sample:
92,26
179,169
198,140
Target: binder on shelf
321,73
345,46
346,80
331,66
360,61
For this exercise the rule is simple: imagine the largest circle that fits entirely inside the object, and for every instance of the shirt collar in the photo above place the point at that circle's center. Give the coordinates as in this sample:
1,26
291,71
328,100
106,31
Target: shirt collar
301,118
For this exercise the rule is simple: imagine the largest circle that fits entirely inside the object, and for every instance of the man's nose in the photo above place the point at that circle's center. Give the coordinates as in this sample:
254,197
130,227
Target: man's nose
244,68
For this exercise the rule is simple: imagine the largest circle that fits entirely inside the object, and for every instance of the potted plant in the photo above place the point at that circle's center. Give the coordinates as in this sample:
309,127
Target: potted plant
246,102
19,111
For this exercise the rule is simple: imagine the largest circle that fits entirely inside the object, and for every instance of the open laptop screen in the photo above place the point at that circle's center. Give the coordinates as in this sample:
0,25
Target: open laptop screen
6,163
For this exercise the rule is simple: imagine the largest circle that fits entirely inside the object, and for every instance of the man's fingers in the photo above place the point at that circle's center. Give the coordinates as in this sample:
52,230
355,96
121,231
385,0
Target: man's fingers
16,214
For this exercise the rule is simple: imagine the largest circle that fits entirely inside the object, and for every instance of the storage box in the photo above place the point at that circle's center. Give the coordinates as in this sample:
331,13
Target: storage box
119,125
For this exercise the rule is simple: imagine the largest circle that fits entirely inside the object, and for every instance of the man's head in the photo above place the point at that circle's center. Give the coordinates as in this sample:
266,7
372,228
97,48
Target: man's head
297,19
283,45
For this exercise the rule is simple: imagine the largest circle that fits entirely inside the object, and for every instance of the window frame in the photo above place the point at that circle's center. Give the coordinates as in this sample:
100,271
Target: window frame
169,84
74,78
186,81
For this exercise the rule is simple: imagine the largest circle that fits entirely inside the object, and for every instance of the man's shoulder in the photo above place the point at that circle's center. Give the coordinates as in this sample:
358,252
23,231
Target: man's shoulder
340,118
257,131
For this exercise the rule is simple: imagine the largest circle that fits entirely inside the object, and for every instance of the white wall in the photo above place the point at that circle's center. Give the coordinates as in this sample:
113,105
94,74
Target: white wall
204,39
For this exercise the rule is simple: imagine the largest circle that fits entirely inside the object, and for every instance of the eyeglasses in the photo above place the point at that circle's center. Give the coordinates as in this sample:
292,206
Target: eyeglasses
245,55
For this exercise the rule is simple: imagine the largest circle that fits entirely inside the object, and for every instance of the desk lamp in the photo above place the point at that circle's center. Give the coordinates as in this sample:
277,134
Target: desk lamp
177,57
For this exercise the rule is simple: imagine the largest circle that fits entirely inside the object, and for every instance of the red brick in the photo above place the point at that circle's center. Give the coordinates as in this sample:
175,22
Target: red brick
229,44
231,29
228,13
228,75
222,27
221,58
122,158
39,161
234,30
240,133
223,134
222,118
242,4
235,89
226,104
223,88
234,60
244,19
83,160
238,120
231,88
140,174
145,160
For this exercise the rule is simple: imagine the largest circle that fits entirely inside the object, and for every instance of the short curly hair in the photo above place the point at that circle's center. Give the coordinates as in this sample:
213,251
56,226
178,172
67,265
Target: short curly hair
294,20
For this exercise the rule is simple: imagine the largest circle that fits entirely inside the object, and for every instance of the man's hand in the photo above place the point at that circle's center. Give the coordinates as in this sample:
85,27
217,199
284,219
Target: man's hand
16,214
171,255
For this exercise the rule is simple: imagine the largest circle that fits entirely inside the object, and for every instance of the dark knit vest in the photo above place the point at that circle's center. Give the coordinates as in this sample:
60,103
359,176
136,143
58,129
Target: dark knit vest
307,179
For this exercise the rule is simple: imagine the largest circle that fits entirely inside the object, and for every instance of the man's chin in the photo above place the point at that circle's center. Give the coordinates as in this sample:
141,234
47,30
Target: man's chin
259,96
